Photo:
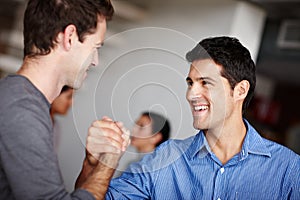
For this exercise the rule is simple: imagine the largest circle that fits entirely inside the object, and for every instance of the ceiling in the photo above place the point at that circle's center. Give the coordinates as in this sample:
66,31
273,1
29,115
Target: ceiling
279,9
282,64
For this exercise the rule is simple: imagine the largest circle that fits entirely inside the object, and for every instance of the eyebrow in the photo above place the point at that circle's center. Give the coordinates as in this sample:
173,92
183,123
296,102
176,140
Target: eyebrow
201,79
188,79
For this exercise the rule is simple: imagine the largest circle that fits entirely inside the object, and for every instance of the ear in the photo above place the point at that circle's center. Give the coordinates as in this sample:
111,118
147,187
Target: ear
241,90
69,36
156,138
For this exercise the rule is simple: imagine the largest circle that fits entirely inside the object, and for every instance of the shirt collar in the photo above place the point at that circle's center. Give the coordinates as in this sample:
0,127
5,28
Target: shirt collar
199,146
253,144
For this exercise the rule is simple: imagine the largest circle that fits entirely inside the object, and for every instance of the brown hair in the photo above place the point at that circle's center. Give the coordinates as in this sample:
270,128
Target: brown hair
233,56
43,20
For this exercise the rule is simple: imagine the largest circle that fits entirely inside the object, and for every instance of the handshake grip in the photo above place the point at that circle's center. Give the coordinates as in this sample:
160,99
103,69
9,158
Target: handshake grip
100,146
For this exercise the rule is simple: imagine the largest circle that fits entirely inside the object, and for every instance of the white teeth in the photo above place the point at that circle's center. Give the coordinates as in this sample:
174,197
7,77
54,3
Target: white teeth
197,108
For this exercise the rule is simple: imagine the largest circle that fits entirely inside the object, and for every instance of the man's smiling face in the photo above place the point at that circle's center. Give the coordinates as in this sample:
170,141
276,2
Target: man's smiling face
209,95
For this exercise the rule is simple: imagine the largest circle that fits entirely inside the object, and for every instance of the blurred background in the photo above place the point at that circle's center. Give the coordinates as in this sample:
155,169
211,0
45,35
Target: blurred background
142,65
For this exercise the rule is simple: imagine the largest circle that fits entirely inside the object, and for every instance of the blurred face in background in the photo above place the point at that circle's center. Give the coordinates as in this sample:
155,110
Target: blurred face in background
141,132
62,103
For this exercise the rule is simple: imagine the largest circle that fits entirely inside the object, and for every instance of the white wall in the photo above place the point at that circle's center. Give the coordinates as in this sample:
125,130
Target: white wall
144,68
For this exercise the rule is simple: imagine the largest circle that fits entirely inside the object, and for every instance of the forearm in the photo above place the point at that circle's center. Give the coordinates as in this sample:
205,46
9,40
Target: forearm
84,174
95,178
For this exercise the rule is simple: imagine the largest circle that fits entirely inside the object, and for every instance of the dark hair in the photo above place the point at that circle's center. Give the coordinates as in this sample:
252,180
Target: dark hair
159,124
44,19
232,56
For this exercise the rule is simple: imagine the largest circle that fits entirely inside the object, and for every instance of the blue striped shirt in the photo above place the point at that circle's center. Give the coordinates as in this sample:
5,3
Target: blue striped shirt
188,169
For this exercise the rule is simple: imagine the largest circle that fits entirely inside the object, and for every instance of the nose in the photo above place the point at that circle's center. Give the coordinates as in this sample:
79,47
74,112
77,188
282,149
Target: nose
95,60
194,93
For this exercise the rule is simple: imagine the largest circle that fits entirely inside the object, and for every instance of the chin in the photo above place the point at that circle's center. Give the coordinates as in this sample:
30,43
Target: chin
77,85
200,125
197,126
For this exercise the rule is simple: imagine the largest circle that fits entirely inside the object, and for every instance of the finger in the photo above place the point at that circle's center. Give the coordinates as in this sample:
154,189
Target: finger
127,141
105,138
123,128
107,124
103,148
108,141
126,138
125,135
119,124
101,133
96,147
106,118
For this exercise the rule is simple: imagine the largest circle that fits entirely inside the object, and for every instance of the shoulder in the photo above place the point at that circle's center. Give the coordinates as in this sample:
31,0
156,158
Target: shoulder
12,83
260,145
166,154
175,147
284,160
287,163
23,107
19,92
280,151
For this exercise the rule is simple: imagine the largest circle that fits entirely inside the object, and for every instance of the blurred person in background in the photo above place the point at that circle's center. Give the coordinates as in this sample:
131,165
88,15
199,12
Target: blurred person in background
149,131
60,106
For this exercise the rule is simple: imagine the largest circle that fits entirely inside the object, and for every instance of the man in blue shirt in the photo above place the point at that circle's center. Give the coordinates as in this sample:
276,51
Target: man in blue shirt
227,159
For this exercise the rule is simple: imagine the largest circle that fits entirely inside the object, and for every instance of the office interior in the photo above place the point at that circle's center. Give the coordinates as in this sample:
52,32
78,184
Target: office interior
142,65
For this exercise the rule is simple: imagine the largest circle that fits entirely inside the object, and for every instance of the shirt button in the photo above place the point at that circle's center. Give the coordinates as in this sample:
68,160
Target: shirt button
222,170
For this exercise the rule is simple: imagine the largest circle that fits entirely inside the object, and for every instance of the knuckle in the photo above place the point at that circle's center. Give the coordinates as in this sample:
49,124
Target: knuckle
95,123
90,129
89,141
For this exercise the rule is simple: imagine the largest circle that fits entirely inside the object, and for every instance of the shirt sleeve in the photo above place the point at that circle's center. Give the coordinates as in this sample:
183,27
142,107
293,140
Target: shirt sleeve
139,180
28,159
132,184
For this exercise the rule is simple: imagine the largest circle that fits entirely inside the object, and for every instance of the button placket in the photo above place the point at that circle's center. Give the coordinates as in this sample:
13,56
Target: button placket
222,170
219,184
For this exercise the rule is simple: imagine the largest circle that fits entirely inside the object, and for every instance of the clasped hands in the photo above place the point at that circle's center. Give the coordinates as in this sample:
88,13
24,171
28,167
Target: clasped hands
106,141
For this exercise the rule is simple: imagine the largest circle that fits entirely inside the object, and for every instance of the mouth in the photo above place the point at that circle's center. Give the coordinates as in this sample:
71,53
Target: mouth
199,109
88,69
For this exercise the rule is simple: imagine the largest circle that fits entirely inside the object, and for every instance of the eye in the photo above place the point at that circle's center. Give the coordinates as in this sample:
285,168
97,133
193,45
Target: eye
189,83
205,83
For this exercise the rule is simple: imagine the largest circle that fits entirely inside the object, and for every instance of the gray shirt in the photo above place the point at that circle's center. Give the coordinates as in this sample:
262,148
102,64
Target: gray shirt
28,164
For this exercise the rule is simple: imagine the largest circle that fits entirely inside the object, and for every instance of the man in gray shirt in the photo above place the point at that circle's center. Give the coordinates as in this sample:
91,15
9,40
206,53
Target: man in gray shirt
61,39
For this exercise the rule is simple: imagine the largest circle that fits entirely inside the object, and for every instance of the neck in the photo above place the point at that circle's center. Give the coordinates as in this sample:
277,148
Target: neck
146,149
227,141
45,78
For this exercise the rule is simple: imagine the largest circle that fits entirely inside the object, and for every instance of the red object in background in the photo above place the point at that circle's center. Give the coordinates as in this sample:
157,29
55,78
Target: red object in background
266,111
